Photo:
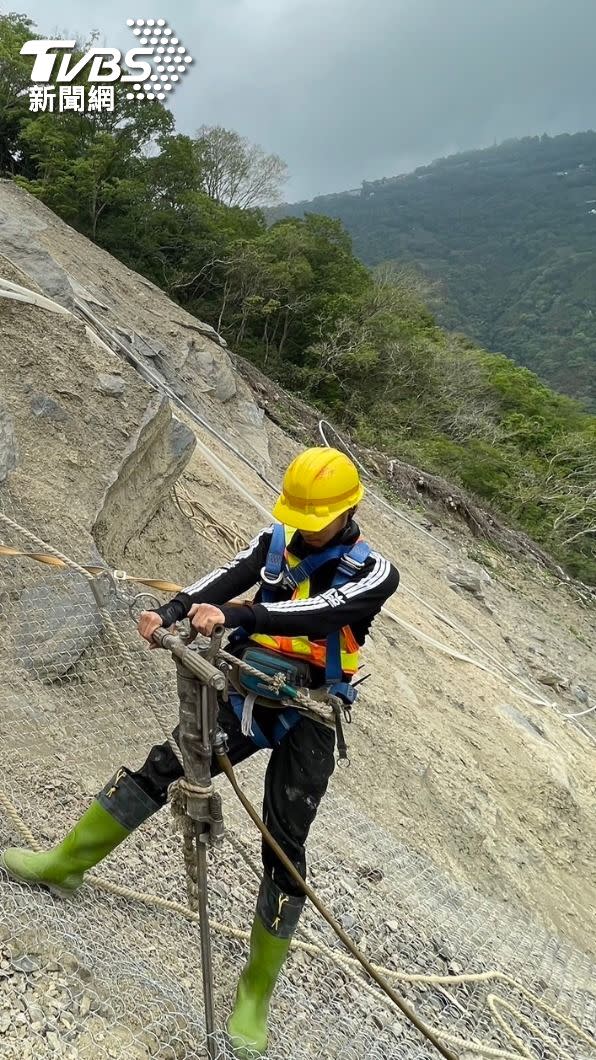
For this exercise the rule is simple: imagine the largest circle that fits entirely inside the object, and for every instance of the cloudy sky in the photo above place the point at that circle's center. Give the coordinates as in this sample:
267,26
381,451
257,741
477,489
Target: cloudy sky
346,90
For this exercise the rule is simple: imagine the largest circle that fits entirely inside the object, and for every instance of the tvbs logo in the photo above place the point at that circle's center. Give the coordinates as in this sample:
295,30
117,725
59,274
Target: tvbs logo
152,69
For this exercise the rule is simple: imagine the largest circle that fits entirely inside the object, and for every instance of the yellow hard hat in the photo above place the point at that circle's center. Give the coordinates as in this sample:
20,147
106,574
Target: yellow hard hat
318,486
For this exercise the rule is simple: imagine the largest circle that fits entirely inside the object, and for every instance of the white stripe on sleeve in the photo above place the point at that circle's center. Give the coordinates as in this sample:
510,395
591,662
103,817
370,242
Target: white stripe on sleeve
376,576
246,553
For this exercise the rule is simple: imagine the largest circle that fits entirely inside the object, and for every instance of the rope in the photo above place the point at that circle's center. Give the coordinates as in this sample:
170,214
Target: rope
210,527
302,701
183,823
377,972
52,557
380,977
380,500
118,575
135,670
349,964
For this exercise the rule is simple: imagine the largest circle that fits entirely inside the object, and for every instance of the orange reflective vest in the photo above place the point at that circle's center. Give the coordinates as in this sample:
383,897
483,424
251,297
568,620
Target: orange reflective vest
313,651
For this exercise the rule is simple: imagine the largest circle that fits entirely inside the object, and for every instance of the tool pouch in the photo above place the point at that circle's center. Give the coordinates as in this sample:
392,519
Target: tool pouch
296,672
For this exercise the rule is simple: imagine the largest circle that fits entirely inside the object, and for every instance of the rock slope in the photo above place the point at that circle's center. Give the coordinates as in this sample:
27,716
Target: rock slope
446,754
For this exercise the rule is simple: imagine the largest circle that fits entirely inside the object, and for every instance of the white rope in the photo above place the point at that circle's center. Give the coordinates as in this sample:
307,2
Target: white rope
581,714
377,497
16,293
247,712
500,673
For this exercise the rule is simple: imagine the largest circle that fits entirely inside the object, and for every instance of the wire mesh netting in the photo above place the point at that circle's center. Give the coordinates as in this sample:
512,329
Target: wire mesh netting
117,975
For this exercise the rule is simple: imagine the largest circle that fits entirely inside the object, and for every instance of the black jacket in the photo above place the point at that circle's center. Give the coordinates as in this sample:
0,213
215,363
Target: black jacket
325,611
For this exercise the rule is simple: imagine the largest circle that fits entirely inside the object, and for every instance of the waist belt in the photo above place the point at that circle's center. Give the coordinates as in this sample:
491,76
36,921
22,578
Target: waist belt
252,691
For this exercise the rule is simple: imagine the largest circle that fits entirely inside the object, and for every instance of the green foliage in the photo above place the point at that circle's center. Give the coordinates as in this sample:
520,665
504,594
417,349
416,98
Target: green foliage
293,297
509,234
15,77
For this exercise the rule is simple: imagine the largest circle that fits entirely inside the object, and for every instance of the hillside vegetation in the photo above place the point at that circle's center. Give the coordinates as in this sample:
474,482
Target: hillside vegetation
508,234
295,299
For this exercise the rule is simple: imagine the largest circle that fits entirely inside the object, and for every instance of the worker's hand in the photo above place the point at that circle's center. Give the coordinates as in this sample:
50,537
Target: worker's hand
203,618
148,623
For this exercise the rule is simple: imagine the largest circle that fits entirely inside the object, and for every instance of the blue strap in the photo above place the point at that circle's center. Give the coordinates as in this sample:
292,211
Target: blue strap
274,564
276,568
333,670
303,570
350,562
286,721
237,636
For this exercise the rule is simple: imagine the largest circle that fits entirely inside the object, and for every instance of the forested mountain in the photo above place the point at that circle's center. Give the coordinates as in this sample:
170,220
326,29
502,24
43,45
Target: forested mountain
509,233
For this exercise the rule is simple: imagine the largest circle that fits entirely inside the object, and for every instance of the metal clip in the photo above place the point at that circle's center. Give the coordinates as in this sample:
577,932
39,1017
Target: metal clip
342,748
103,588
135,607
267,579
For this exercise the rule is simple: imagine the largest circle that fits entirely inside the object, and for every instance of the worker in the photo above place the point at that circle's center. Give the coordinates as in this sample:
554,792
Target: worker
320,586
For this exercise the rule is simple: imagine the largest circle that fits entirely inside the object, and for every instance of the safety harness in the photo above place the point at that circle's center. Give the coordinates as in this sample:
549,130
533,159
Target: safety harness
276,574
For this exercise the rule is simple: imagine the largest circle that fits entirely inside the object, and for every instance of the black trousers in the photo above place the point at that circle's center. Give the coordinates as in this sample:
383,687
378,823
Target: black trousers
295,781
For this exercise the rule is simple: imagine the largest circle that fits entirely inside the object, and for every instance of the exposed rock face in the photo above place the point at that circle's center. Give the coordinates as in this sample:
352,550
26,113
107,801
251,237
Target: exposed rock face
132,316
471,581
43,405
214,368
154,459
8,444
19,245
57,620
110,385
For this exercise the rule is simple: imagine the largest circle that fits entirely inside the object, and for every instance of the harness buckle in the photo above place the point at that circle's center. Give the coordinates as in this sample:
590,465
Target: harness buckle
271,580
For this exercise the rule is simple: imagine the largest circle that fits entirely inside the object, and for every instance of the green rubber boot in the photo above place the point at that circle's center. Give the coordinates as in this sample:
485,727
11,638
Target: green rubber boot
274,924
119,808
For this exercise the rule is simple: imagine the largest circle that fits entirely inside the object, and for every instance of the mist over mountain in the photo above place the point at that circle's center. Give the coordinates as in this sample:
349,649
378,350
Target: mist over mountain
507,236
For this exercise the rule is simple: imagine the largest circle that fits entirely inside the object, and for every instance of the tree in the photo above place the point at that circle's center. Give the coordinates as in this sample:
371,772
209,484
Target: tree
570,485
88,163
236,172
15,78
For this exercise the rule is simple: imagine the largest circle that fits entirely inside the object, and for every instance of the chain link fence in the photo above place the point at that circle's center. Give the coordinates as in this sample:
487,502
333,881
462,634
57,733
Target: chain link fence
116,974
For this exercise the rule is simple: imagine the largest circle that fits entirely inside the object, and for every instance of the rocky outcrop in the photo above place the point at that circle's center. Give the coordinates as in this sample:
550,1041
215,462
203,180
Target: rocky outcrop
56,621
8,444
19,245
132,316
152,462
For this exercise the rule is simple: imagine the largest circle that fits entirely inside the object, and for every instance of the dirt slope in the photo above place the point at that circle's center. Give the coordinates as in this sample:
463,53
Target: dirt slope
448,757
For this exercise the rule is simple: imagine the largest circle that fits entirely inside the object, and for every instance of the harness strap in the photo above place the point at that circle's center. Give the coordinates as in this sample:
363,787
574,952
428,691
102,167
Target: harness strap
287,719
277,571
272,572
350,562
294,576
